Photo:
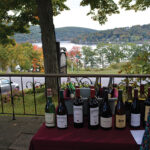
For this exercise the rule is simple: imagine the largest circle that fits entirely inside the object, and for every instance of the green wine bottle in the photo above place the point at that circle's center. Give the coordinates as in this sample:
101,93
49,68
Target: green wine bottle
49,110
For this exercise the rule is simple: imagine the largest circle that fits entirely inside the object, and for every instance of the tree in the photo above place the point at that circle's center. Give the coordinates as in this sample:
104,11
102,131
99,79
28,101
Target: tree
19,54
139,62
73,57
100,51
41,12
135,4
4,57
88,56
35,12
37,62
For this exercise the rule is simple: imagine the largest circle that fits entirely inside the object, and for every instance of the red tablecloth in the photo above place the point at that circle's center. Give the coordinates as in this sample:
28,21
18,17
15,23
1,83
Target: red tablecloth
82,139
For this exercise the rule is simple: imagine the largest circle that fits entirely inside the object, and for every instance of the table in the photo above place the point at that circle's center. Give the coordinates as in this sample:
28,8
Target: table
82,139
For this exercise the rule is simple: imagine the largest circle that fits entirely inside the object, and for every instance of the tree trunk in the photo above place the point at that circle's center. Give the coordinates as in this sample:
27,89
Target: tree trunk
45,13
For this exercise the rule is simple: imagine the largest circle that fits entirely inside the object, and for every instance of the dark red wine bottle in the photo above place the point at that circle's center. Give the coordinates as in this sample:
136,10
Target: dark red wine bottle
142,99
135,111
93,112
128,102
78,110
106,113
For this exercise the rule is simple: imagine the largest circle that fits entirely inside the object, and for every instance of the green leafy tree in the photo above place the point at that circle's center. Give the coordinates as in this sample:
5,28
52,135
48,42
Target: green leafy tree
114,53
135,4
4,57
88,56
100,51
26,55
128,50
19,54
139,62
16,17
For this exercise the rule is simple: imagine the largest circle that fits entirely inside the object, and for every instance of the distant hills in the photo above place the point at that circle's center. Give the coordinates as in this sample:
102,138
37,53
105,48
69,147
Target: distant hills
62,34
136,34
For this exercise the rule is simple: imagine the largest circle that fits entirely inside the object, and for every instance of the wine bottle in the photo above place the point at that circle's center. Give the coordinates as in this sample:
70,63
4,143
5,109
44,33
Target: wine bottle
78,110
106,113
147,106
93,112
120,114
135,111
142,96
49,110
62,115
67,91
129,95
114,91
142,99
100,92
128,102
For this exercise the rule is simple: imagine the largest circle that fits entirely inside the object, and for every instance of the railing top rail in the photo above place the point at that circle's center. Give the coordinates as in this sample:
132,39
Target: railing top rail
79,75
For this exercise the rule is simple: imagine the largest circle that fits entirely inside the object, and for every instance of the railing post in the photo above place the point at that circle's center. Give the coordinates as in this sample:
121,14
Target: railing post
22,95
34,96
12,99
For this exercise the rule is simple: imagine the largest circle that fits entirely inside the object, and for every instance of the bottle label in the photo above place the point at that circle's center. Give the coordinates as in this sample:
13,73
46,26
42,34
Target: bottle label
130,100
106,122
50,119
62,121
142,98
94,116
109,95
135,120
147,109
78,114
120,121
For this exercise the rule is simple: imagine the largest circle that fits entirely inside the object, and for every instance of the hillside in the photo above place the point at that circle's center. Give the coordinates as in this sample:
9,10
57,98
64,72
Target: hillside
62,34
69,33
137,34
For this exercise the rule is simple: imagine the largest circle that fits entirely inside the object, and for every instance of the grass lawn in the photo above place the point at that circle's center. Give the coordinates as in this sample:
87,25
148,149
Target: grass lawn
105,71
111,69
29,104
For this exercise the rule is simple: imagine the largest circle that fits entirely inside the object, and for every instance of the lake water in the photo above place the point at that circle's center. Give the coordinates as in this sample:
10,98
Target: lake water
67,45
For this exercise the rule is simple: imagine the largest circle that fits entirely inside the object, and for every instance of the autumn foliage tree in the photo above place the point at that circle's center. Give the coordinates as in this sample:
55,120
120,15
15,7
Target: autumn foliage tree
38,63
18,55
74,56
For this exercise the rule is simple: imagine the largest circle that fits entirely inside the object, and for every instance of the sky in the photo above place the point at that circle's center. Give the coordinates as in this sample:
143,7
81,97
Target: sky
76,16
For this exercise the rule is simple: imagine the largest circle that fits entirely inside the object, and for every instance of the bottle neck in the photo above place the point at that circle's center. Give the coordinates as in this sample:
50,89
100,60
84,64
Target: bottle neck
129,93
61,96
105,96
77,93
141,89
120,96
136,94
92,93
49,99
